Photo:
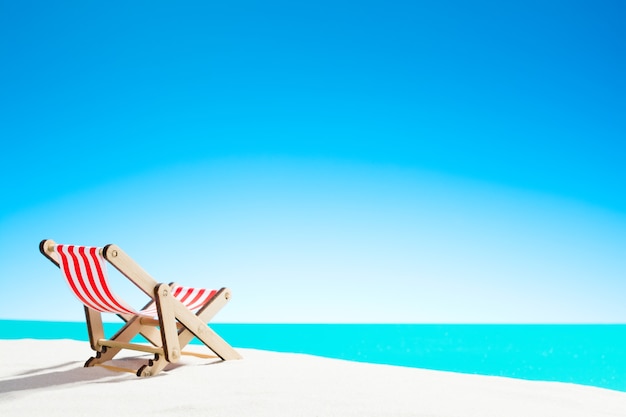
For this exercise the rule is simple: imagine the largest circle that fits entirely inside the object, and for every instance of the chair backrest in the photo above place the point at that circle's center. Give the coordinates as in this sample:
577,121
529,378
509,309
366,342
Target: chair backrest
84,269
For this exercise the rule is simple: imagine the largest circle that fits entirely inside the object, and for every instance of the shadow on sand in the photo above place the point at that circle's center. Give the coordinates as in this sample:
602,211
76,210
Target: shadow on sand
55,376
74,372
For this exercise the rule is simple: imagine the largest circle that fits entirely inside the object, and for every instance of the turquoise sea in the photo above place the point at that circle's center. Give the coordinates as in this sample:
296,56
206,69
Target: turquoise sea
582,354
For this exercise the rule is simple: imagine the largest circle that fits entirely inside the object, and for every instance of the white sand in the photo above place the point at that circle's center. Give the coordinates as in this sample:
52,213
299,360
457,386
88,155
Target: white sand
46,378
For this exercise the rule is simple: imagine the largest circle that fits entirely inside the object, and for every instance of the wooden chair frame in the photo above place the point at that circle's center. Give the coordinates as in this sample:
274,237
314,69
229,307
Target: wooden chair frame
175,328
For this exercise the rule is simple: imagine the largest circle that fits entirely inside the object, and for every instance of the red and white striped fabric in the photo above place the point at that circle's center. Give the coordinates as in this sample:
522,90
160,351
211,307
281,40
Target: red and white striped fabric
84,269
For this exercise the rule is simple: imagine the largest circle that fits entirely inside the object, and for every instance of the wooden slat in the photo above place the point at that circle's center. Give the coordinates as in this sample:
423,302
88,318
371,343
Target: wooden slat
147,321
199,355
130,269
169,333
95,327
117,368
46,247
131,346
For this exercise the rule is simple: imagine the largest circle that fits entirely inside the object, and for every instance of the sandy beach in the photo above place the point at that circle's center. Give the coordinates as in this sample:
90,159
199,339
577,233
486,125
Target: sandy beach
40,377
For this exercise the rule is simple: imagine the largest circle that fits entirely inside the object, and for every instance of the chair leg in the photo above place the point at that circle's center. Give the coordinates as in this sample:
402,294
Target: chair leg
95,329
198,322
196,325
153,367
167,322
132,328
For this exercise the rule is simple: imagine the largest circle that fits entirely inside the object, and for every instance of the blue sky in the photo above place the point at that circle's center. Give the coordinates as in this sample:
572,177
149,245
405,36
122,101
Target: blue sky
331,162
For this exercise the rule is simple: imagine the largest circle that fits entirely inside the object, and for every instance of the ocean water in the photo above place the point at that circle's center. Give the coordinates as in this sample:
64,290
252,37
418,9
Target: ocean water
592,355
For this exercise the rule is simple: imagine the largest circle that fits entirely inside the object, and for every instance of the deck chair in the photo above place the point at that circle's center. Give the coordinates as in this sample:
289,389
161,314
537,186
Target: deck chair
170,320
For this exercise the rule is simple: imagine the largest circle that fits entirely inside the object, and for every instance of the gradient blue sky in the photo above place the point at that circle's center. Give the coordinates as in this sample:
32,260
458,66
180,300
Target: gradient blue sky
338,161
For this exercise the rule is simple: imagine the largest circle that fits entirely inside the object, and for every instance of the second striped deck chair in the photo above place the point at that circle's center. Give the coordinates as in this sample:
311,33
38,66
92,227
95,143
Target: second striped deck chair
171,319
